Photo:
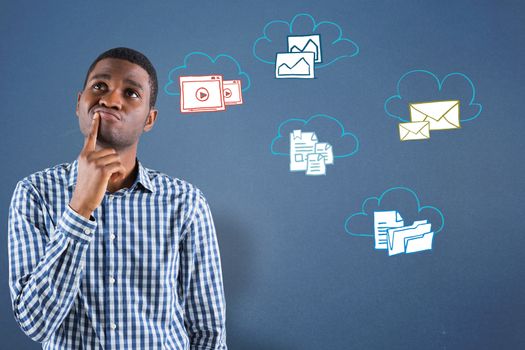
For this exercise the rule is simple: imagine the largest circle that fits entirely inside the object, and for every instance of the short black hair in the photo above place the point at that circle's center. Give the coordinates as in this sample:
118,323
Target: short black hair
133,56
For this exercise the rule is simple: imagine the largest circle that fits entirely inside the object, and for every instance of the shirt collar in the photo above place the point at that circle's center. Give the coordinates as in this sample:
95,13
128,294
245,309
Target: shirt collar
142,177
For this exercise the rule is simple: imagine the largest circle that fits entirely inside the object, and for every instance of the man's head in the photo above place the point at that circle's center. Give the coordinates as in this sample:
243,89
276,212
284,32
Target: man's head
133,56
121,85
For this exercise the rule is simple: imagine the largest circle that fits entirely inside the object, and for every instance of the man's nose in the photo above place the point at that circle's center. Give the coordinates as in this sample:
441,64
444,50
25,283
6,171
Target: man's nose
111,99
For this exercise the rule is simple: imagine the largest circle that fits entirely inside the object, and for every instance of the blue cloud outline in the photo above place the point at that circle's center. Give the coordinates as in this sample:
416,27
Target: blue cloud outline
212,60
440,86
305,122
290,26
380,198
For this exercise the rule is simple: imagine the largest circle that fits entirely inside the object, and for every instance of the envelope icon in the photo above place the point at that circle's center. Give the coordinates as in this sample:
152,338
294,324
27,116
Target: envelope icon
414,131
442,115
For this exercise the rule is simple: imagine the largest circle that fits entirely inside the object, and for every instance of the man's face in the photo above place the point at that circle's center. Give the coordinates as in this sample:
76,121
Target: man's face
120,92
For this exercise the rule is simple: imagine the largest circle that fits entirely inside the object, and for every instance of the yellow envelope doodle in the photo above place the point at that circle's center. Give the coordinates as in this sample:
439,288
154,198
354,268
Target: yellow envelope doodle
442,115
414,131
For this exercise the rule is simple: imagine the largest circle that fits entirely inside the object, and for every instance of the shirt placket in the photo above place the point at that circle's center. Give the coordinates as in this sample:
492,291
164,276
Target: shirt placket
110,277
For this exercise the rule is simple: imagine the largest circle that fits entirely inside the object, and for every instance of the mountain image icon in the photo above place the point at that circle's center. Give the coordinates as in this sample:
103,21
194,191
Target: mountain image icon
202,94
301,67
310,46
295,65
306,43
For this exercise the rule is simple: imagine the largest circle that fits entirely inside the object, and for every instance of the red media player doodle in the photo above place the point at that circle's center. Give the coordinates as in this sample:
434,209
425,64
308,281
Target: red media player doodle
202,94
208,93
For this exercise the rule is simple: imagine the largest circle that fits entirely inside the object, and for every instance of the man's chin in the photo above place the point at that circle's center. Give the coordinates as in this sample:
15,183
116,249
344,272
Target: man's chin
110,142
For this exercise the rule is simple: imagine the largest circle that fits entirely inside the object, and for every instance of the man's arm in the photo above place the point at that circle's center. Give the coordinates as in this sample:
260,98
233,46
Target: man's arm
44,267
201,282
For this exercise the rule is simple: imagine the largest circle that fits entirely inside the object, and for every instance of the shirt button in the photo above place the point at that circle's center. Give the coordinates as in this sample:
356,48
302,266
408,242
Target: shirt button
87,231
113,326
111,280
112,236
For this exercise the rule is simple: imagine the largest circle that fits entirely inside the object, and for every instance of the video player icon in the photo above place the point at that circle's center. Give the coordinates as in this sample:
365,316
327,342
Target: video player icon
208,93
202,94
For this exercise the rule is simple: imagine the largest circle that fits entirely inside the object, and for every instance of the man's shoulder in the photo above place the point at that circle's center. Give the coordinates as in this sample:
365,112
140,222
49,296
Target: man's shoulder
163,182
54,176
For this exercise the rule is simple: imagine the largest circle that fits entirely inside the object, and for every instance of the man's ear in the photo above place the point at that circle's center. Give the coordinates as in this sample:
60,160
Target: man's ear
150,120
78,102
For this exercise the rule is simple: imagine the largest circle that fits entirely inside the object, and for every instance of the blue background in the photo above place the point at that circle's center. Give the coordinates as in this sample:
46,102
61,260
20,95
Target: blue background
294,279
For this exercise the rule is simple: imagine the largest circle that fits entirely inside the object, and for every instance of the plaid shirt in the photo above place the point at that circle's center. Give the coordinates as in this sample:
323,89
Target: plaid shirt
143,273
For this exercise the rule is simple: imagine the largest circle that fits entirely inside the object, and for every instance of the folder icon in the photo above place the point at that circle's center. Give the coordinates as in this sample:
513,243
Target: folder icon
442,115
410,239
419,243
414,131
295,65
306,43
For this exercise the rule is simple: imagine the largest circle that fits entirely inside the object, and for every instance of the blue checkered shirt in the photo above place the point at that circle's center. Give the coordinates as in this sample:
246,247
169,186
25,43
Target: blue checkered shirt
143,273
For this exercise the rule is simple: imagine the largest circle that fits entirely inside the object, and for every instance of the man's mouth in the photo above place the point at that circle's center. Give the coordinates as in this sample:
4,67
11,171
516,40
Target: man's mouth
107,115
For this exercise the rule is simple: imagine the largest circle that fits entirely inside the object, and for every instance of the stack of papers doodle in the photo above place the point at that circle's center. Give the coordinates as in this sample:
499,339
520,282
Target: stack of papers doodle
309,155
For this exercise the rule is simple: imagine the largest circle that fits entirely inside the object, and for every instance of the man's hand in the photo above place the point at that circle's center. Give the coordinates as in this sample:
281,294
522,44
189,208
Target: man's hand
95,169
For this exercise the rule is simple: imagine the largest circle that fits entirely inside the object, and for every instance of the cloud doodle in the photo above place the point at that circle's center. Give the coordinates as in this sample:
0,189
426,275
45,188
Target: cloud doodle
402,199
422,86
327,128
200,63
274,39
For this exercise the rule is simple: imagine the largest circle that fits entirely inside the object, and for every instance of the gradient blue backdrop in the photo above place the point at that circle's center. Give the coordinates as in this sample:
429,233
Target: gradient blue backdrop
294,279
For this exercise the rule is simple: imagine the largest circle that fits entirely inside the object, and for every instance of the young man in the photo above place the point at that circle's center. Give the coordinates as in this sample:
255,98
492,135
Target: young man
105,253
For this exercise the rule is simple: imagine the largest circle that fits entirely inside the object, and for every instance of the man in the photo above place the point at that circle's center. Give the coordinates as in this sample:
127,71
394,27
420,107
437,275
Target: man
105,253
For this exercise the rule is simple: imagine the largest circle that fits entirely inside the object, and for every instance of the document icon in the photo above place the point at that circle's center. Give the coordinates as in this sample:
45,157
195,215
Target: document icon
232,92
383,221
202,93
410,239
306,43
414,131
442,115
316,164
325,149
295,65
301,145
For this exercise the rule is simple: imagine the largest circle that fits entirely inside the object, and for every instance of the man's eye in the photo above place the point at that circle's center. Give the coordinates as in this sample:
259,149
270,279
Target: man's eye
99,86
132,93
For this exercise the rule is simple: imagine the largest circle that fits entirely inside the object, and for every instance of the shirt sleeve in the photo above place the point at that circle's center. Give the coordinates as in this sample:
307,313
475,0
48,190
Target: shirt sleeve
201,282
45,266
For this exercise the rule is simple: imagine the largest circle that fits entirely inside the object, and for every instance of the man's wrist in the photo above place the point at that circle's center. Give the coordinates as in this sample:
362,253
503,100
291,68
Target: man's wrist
81,211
